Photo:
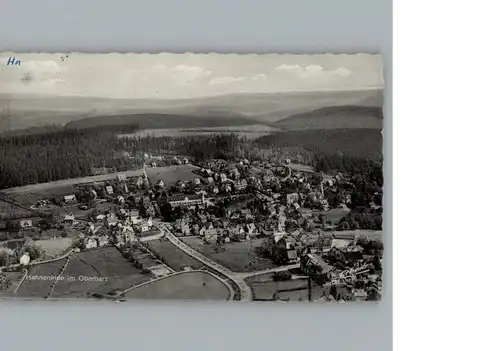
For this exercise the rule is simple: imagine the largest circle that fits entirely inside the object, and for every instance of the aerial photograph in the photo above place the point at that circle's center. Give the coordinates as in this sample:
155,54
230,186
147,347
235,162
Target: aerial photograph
203,177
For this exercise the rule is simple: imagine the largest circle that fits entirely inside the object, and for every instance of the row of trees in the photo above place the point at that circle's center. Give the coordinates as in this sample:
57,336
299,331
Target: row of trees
353,221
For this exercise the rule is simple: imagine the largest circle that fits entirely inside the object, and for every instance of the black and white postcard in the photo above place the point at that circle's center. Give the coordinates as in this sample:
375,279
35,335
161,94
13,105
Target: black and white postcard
244,177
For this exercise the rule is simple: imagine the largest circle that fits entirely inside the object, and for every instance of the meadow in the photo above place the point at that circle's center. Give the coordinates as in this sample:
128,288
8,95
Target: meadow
107,263
237,256
185,286
175,258
37,287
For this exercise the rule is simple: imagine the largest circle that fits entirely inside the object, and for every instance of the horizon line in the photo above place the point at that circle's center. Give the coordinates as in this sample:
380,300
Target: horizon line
33,94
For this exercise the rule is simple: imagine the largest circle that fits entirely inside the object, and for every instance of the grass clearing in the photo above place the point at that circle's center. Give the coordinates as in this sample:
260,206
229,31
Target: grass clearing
54,247
9,281
237,256
171,174
176,258
107,263
31,197
37,287
185,286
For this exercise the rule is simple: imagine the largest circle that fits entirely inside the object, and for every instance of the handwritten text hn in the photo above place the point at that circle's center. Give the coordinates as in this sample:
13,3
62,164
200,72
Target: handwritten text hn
12,61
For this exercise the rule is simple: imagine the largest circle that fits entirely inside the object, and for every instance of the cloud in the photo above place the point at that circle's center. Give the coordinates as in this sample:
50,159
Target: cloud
288,68
312,71
226,80
259,77
341,71
189,74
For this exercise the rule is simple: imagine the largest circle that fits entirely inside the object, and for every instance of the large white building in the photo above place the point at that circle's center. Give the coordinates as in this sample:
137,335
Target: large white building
25,259
184,200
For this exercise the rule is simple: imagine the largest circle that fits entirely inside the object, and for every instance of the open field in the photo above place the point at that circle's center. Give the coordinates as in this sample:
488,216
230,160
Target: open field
264,288
186,286
171,174
9,211
237,256
61,186
176,258
105,263
54,247
82,214
40,288
9,282
29,198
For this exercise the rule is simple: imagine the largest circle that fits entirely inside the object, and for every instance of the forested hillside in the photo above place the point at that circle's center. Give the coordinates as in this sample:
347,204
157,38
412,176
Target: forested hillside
152,121
335,117
359,143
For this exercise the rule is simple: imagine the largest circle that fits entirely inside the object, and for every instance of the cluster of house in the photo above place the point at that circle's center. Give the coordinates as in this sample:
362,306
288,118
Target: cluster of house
347,269
123,227
213,229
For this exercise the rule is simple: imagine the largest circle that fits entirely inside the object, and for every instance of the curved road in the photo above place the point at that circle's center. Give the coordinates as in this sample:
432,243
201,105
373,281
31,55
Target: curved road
124,292
246,292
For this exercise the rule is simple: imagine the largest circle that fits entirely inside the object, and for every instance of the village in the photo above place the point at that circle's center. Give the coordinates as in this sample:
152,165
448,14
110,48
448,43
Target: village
279,211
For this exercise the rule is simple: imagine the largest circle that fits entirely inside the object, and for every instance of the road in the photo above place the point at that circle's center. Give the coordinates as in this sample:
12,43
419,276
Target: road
245,290
267,271
124,293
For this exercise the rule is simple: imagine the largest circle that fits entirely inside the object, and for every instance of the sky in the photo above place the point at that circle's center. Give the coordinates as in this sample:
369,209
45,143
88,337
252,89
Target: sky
174,76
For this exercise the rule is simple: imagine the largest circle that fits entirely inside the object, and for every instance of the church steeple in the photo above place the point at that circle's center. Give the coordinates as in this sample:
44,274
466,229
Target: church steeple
145,175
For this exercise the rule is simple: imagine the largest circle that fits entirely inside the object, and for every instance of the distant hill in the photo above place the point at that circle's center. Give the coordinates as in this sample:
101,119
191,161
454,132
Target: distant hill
21,111
355,142
334,117
155,121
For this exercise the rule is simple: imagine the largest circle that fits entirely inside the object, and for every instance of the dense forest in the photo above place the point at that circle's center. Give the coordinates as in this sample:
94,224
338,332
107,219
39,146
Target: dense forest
335,117
36,158
359,143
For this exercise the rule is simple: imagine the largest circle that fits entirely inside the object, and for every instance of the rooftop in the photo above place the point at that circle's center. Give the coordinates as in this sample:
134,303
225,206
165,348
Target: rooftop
183,197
